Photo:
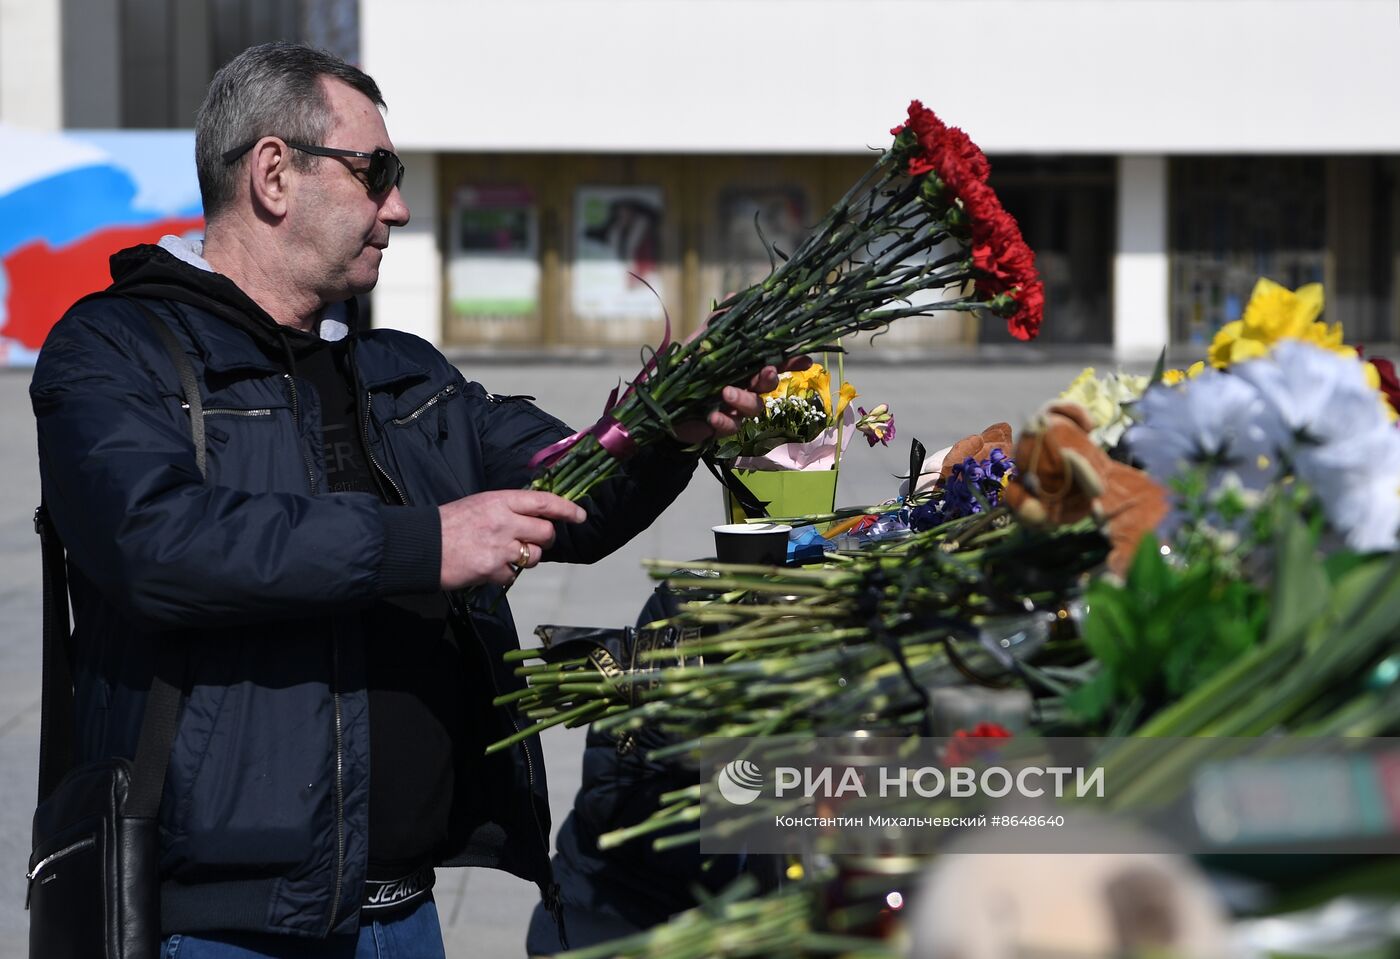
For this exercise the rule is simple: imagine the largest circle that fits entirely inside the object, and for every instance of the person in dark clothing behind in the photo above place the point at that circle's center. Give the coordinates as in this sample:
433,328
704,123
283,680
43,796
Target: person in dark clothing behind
609,894
335,584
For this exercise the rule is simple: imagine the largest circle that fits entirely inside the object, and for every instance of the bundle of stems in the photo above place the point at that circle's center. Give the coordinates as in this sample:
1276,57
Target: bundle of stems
817,650
921,219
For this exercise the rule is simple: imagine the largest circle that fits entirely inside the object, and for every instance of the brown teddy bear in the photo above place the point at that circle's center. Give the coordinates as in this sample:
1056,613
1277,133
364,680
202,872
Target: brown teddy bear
1063,476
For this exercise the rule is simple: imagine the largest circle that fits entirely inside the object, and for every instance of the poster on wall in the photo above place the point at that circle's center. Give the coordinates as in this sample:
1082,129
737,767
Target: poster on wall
779,212
493,268
68,201
617,245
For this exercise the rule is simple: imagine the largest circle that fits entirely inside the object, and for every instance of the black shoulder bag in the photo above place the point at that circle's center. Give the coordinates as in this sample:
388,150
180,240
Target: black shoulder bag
94,880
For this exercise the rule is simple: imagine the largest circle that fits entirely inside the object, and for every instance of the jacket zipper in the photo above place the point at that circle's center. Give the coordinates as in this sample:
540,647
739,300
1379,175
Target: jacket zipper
227,411
442,394
296,418
335,700
369,450
339,787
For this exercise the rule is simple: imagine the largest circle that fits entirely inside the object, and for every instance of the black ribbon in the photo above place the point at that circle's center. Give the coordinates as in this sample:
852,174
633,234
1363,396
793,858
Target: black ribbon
753,507
916,464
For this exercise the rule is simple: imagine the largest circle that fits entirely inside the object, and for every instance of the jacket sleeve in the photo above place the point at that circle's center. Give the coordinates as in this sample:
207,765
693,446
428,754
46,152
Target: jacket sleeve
120,481
513,429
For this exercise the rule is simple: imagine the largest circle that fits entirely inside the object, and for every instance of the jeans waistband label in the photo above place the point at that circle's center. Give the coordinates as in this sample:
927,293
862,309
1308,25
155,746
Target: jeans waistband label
392,893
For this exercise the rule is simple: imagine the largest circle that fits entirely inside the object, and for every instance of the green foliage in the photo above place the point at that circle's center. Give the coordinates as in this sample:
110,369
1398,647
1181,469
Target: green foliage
1163,632
792,420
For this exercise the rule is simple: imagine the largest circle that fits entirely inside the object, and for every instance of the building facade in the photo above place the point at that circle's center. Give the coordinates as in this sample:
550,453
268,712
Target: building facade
1159,155
579,170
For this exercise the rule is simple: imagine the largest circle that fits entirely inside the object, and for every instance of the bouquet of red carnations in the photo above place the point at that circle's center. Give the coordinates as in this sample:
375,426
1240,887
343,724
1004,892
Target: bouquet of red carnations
921,219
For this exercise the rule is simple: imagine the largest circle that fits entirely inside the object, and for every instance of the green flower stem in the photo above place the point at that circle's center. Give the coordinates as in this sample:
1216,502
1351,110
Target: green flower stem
524,734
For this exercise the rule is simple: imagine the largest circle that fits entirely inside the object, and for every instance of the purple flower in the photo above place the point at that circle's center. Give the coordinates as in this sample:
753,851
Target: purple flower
971,484
876,424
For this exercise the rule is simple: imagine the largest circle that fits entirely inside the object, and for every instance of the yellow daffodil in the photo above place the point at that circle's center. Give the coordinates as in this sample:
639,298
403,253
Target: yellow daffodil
1173,377
813,385
821,386
798,382
1274,313
848,393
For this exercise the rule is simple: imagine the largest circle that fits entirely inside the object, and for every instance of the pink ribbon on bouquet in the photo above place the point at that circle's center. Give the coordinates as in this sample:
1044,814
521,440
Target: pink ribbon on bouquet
611,434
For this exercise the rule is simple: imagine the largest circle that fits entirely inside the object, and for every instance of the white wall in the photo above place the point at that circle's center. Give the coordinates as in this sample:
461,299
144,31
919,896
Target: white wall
1071,76
30,64
409,293
1141,263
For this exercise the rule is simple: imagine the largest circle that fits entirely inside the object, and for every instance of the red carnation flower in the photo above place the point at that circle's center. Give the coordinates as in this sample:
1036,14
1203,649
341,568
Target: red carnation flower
1024,324
964,747
924,122
1004,265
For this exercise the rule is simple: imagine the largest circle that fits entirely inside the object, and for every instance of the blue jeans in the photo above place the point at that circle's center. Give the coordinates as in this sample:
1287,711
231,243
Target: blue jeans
416,935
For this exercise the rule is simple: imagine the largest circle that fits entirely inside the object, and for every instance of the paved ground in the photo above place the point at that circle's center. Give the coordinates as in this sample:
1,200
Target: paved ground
485,912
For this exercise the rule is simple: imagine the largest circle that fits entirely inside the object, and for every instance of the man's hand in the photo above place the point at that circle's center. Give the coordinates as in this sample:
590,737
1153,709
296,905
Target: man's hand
489,537
737,404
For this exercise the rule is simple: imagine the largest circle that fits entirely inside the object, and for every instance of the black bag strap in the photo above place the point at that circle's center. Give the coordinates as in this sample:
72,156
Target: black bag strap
56,722
56,705
189,383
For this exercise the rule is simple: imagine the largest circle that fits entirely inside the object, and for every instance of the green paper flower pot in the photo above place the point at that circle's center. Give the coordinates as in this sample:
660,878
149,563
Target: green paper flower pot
787,492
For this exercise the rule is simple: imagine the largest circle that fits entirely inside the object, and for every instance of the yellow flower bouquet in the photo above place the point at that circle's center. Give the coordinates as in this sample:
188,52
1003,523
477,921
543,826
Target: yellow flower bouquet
798,440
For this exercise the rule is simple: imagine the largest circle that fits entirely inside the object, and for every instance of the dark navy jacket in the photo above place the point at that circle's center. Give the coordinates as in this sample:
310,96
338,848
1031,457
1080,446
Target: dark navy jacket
260,575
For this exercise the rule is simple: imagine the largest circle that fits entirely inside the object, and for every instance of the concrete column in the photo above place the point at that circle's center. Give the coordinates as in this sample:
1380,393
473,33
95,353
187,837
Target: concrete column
31,40
409,294
1141,264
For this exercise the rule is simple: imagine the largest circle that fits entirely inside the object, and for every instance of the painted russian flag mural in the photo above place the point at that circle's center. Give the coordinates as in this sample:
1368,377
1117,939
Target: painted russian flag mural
68,201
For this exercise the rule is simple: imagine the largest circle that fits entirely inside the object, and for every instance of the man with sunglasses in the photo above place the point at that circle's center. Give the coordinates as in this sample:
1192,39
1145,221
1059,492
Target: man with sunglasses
338,674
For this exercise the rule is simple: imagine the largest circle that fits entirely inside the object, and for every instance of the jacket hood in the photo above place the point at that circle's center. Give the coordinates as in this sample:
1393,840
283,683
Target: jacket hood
175,270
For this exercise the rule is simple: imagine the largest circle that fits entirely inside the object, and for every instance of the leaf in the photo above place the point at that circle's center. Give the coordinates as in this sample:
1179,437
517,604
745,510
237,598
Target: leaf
1111,629
644,397
1149,575
1092,701
1159,368
1301,589
1367,600
1339,564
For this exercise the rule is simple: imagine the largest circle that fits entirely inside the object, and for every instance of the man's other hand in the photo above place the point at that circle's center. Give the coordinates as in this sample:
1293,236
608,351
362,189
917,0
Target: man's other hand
490,537
737,404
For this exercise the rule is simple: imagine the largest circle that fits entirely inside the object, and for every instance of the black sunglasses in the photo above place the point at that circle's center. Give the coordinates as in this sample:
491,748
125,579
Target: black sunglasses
385,169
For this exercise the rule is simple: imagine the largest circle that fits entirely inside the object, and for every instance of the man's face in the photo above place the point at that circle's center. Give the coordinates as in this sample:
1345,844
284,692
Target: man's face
340,230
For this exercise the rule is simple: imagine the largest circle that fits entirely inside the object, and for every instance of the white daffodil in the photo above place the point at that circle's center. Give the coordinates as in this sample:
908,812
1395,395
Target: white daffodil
1108,402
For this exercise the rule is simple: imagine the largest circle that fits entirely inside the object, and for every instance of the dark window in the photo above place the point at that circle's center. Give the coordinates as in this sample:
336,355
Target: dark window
146,63
1065,207
1233,220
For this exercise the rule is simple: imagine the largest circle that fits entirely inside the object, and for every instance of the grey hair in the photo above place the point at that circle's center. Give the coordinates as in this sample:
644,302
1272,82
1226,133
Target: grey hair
272,89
